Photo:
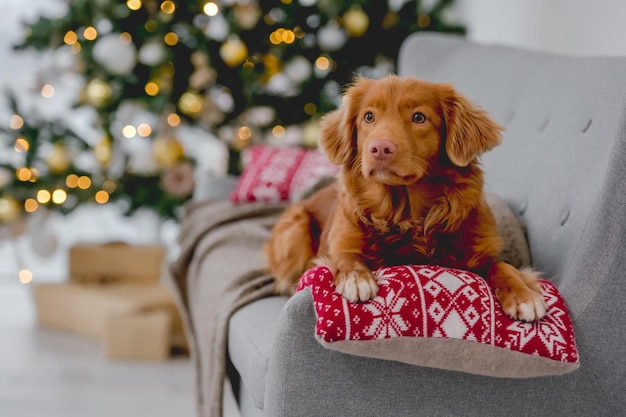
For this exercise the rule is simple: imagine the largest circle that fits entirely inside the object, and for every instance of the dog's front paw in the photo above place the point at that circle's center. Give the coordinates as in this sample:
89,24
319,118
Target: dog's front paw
356,285
524,304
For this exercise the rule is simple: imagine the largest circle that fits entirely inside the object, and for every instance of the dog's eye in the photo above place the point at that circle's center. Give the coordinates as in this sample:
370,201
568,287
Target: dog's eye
369,117
418,117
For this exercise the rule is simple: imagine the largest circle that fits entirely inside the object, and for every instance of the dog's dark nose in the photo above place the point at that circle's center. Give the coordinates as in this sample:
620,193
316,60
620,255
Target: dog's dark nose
382,149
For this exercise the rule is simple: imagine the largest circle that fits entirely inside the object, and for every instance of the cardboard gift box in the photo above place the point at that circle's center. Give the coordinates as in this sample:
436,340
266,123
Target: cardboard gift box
144,335
115,262
132,321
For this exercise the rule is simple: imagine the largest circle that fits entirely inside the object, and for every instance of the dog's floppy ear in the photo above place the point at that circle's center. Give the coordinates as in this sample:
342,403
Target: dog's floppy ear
336,136
470,130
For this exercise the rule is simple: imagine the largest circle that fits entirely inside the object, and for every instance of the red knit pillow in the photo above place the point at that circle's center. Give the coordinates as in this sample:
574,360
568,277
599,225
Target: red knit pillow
277,174
443,318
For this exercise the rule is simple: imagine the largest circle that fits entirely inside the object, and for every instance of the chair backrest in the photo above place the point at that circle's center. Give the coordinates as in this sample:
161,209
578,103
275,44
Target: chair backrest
562,164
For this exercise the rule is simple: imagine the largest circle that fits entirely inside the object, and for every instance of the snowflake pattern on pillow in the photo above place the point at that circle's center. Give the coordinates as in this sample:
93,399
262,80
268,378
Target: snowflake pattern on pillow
419,302
277,174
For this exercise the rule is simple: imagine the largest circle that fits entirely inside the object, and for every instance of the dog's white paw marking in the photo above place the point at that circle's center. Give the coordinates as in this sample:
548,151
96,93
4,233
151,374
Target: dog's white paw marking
530,307
357,286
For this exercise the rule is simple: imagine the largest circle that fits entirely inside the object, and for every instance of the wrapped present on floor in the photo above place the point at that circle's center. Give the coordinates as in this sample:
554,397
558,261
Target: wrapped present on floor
113,296
131,321
115,262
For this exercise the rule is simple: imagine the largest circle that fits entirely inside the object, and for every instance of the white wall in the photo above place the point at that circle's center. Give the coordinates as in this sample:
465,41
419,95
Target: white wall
579,27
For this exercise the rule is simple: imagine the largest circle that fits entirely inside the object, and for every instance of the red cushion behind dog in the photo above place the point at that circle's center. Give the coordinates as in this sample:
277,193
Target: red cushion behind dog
443,318
280,174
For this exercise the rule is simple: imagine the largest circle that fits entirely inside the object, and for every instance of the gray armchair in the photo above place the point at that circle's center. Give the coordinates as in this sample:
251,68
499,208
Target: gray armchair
562,168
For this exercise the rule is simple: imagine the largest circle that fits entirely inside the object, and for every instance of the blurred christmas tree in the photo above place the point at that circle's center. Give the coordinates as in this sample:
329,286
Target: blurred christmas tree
245,71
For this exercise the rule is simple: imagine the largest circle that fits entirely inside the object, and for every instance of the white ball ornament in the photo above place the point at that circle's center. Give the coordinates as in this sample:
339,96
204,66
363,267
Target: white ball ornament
299,69
152,53
281,85
260,115
117,56
217,28
331,37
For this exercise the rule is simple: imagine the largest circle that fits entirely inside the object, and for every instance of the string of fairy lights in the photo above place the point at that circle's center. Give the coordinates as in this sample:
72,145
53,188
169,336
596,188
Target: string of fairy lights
240,72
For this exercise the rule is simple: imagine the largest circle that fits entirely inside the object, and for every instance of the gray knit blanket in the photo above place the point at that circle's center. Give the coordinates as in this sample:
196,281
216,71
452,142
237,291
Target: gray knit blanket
219,270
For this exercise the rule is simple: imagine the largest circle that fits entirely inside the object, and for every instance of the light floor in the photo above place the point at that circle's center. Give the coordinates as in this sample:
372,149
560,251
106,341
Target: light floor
47,373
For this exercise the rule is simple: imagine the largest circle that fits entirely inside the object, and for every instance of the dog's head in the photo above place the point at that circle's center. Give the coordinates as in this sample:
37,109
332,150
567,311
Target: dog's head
392,130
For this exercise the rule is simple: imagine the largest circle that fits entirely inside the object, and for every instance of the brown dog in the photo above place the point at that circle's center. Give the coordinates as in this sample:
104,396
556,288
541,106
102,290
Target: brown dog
410,191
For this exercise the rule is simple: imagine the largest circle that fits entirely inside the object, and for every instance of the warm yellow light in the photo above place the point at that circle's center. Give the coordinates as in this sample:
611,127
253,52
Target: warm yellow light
25,276
47,91
282,35
152,89
16,122
97,91
310,109
423,20
31,205
90,33
21,145
43,196
59,196
109,186
71,181
126,38
190,102
34,174
276,37
211,9
151,26
168,7
70,37
102,197
144,130
76,48
322,63
84,182
286,1
133,4
278,131
170,38
24,174
299,32
173,119
129,131
288,36
244,133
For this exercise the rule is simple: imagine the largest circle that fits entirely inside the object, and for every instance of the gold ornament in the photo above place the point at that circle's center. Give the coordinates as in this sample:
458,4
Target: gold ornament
167,151
272,67
390,20
59,159
103,151
178,180
96,93
247,15
356,21
191,103
203,74
9,209
311,132
233,51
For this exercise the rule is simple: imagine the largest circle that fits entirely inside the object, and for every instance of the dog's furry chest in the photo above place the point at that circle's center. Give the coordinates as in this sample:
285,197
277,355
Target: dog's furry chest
401,243
405,243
